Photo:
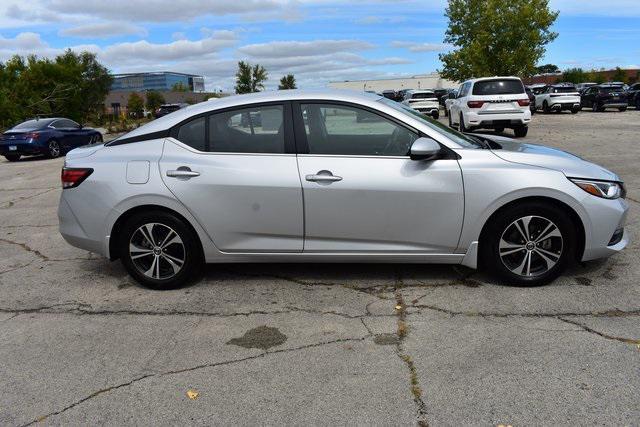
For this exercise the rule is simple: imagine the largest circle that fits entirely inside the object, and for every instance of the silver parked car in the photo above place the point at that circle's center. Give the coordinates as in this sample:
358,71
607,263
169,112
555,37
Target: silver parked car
301,176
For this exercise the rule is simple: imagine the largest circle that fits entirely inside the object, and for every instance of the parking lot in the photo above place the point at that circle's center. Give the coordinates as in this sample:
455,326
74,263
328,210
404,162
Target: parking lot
317,344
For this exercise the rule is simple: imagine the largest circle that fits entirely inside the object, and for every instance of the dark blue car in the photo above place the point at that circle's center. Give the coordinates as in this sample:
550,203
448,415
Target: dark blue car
51,137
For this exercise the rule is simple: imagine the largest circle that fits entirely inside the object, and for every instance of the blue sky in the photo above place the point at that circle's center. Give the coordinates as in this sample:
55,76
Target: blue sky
317,40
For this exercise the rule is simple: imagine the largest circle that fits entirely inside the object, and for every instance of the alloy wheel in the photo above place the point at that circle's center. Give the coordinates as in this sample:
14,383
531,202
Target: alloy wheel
54,148
530,246
157,251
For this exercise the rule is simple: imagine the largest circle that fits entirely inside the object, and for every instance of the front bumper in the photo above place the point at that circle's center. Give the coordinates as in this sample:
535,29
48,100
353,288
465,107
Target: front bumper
606,217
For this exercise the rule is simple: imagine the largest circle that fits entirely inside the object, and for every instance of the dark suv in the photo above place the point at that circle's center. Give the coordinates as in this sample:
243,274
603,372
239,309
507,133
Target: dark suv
603,96
633,95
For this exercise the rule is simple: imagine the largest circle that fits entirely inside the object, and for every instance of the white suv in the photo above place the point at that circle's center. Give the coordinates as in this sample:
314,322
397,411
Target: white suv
491,103
558,98
424,101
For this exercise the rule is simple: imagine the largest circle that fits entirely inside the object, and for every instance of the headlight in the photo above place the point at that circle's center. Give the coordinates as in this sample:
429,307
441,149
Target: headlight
604,189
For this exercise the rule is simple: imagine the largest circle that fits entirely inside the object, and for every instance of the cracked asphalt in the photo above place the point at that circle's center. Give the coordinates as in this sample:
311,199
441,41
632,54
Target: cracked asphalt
81,343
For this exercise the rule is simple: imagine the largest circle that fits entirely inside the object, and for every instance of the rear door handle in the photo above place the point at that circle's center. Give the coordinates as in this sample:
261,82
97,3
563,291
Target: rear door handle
182,172
323,176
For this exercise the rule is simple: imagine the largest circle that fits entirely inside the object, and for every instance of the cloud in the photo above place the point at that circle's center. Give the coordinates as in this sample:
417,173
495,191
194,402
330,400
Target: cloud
421,47
283,49
372,20
103,30
22,42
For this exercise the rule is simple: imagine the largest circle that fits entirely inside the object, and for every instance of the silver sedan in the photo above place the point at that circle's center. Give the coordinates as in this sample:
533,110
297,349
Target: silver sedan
303,176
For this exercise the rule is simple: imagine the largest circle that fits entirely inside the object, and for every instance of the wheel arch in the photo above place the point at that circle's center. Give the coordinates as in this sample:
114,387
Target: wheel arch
115,231
575,219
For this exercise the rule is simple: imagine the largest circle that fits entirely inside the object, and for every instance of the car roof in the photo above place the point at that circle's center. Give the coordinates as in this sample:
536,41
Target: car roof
172,119
482,79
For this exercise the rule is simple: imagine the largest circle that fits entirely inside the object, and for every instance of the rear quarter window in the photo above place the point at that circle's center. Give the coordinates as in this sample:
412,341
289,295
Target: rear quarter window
498,87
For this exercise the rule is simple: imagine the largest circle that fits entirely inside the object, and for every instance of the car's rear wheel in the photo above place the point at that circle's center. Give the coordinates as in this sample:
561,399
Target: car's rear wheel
435,115
575,110
521,131
499,129
461,126
529,244
595,107
12,157
160,251
53,149
545,107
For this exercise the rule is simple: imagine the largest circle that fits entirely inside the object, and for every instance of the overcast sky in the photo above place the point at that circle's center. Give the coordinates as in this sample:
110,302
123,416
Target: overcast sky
317,40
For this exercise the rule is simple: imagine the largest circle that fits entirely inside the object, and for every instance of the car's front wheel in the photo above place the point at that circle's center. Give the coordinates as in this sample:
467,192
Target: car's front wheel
12,157
159,250
435,115
529,244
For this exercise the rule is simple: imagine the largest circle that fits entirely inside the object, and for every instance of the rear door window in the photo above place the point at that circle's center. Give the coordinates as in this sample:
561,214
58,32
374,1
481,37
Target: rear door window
498,87
251,130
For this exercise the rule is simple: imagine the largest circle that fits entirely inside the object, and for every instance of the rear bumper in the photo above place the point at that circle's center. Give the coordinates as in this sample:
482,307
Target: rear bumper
498,120
73,232
561,106
21,147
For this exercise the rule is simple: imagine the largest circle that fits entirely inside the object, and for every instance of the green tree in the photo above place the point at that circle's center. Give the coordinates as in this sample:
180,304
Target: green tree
496,37
154,100
575,75
135,105
179,87
258,77
287,82
250,78
619,75
547,69
243,78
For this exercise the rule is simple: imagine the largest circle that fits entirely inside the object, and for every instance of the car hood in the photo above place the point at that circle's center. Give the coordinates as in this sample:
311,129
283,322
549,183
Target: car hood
550,158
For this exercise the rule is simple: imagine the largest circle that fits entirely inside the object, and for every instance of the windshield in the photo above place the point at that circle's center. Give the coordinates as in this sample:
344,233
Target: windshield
424,95
455,136
565,89
498,87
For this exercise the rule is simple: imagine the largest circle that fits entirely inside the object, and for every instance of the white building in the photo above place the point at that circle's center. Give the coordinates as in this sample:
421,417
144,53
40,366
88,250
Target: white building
424,81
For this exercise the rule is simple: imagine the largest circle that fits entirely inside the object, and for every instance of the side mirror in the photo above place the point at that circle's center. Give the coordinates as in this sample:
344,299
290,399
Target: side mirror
424,149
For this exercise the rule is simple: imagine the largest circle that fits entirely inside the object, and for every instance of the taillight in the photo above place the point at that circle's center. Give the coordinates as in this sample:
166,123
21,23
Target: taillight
475,104
72,177
32,135
524,102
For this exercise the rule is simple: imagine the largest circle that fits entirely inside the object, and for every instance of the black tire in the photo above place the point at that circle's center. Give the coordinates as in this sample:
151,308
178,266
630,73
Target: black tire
545,107
622,109
53,149
533,109
461,126
521,131
541,271
446,113
12,157
188,249
499,130
638,102
595,107
575,110
99,138
436,115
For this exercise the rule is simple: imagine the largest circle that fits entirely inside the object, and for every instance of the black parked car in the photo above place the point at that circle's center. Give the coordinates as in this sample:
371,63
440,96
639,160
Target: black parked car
603,96
168,108
51,137
633,95
532,100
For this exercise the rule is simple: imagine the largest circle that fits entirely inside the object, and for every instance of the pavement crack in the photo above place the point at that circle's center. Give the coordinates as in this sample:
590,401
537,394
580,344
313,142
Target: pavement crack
607,313
26,248
11,203
601,334
189,369
402,332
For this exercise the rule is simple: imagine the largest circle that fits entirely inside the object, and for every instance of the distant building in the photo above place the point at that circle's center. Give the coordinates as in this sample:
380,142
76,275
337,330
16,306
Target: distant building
425,81
161,81
631,75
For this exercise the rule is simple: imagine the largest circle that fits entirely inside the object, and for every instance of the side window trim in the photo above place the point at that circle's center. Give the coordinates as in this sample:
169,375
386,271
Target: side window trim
302,144
289,140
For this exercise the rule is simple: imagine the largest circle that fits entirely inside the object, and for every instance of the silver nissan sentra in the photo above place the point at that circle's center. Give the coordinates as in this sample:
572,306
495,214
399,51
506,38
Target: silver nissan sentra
330,176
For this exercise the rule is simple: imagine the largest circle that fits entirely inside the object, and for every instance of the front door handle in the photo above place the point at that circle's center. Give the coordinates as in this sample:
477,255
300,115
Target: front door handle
323,176
182,172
